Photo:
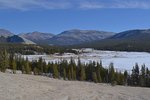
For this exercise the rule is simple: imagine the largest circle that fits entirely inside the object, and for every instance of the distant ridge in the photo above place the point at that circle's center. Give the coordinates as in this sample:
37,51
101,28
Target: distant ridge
127,40
15,39
5,33
133,34
69,37
37,37
76,36
131,40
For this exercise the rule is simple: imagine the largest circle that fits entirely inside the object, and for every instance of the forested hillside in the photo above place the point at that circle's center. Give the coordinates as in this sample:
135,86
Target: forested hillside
30,49
132,40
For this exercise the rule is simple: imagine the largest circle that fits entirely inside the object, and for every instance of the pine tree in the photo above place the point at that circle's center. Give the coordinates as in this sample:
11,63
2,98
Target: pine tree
50,68
35,70
111,73
74,75
40,65
69,74
64,73
27,67
94,77
117,78
73,71
11,58
89,70
55,71
135,75
23,69
147,77
22,65
14,66
125,77
142,76
4,60
79,62
20,62
45,67
98,73
82,73
120,78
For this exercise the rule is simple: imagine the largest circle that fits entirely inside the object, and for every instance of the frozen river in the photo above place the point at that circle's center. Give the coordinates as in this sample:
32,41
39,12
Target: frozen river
121,60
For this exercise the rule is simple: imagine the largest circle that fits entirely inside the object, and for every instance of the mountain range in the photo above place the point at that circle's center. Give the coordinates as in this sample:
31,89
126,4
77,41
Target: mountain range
9,37
72,37
82,38
133,35
15,39
131,40
69,37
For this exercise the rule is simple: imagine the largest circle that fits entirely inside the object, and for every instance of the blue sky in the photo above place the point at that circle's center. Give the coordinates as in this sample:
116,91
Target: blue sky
56,16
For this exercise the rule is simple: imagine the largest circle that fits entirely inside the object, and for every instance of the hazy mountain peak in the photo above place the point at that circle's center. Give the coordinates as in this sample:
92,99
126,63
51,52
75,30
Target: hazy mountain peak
77,36
5,33
137,33
36,36
19,39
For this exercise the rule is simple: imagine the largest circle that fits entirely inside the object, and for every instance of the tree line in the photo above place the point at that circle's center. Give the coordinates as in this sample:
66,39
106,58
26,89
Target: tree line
71,70
31,49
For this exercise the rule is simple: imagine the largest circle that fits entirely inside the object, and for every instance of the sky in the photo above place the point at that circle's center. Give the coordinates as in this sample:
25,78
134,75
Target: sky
55,16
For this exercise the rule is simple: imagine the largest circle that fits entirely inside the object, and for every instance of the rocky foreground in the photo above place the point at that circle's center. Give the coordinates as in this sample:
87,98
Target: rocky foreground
29,87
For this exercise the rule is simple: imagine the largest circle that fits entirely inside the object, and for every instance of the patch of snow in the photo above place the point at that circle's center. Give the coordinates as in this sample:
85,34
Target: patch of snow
121,60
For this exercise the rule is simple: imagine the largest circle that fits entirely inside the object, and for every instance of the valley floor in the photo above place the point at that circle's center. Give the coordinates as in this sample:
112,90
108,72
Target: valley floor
121,60
29,87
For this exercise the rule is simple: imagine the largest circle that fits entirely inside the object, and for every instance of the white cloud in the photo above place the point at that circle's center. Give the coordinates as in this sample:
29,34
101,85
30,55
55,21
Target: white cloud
34,4
91,5
142,4
77,4
116,4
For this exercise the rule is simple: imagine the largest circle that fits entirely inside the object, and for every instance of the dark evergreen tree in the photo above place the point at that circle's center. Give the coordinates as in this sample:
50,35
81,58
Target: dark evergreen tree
4,60
27,67
147,77
69,74
64,74
40,65
94,77
98,73
35,71
143,76
120,79
14,66
135,75
111,73
125,77
55,71
82,73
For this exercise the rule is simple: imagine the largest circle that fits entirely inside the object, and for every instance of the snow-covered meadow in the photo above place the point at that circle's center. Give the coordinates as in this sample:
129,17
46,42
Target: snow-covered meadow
121,60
